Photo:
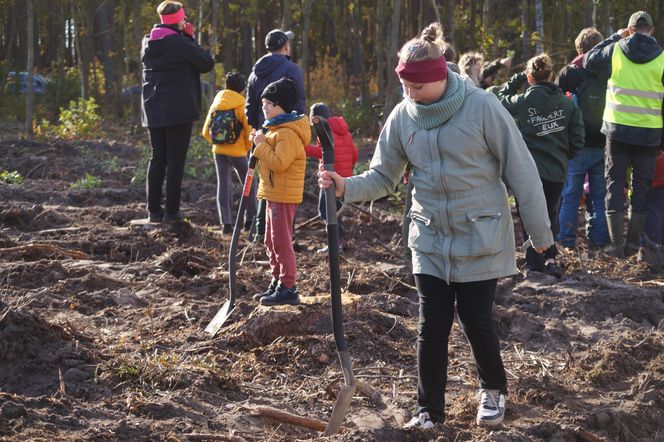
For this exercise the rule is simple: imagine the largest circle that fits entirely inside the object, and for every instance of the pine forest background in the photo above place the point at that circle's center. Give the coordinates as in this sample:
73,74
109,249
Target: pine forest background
347,49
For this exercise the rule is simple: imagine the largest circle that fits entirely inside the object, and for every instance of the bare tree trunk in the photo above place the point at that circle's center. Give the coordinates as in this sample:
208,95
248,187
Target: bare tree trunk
470,39
54,33
487,23
199,26
357,70
660,17
214,10
379,46
587,13
287,16
107,54
330,29
392,49
539,26
61,61
246,59
608,30
82,60
596,12
304,62
138,36
450,22
30,10
10,35
436,11
525,22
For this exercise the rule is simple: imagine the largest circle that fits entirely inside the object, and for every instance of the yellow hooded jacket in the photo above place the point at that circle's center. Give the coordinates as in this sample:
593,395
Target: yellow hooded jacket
225,100
282,161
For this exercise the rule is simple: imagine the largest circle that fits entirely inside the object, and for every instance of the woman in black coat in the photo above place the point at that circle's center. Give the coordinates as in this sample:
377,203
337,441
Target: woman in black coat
172,64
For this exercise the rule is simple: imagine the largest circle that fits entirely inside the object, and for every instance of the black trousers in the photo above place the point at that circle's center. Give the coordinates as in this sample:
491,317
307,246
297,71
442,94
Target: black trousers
169,152
618,157
474,301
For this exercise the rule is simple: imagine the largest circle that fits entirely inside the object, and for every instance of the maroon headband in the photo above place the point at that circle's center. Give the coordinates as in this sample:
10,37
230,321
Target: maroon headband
426,71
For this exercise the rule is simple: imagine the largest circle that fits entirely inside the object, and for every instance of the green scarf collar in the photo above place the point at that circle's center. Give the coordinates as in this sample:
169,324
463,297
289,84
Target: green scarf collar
428,116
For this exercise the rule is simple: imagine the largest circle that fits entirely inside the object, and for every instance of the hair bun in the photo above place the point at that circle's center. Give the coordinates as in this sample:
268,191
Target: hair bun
432,33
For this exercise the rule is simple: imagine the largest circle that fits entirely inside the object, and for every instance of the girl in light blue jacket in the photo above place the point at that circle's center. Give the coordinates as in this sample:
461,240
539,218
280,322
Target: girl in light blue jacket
463,147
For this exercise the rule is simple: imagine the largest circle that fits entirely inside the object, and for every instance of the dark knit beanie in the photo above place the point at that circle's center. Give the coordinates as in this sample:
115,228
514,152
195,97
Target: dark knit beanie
282,93
320,110
235,81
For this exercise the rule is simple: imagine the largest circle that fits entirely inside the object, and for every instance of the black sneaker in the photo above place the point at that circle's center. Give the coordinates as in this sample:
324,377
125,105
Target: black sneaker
173,217
270,290
156,216
228,229
282,296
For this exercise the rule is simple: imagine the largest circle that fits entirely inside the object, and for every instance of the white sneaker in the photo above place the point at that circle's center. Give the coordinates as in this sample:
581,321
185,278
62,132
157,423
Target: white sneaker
492,408
420,421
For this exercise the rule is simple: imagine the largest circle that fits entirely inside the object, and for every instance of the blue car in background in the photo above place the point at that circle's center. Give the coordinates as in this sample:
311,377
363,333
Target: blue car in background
39,83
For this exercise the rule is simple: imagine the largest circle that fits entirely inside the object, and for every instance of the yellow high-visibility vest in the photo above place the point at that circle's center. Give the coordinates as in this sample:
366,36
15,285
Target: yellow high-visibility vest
635,92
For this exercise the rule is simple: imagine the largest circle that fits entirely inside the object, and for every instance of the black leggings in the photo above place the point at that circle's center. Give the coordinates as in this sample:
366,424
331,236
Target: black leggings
474,302
169,152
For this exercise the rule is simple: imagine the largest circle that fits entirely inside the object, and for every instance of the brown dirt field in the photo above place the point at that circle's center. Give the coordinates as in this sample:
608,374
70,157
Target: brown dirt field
101,324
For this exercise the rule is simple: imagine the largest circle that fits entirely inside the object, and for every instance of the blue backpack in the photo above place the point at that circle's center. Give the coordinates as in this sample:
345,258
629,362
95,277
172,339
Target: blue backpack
225,128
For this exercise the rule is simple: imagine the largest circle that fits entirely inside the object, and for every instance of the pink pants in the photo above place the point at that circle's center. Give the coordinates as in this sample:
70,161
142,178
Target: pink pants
279,241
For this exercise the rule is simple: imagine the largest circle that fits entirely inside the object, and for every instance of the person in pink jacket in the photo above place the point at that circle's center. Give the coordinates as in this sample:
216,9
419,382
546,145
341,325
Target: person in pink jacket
345,157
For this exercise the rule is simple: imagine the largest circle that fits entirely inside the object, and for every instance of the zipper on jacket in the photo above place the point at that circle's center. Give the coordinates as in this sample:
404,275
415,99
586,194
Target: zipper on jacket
484,216
421,218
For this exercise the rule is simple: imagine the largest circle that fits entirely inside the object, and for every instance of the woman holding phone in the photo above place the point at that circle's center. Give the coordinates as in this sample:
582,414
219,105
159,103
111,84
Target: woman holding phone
172,64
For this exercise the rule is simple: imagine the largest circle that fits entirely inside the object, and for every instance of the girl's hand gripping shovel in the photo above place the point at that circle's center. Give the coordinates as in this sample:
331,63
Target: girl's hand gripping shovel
228,307
348,389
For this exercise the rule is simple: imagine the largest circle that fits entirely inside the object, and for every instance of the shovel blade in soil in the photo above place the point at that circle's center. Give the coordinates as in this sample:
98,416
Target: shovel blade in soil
340,409
219,319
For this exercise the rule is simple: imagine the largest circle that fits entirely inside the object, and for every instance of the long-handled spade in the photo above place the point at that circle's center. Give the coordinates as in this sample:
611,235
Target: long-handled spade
348,389
228,307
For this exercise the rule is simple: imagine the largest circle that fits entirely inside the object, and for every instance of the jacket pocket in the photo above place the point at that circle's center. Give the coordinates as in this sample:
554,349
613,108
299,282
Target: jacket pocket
486,233
422,237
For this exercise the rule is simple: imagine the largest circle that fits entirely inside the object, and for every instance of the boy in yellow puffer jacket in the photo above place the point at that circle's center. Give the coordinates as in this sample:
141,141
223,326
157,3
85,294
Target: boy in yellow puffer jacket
230,147
281,164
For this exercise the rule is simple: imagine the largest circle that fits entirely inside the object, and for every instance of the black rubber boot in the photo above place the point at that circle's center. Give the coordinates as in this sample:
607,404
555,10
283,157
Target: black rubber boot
615,222
634,230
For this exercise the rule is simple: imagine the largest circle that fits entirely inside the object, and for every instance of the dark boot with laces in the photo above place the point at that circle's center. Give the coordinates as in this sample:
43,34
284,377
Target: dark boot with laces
282,296
270,290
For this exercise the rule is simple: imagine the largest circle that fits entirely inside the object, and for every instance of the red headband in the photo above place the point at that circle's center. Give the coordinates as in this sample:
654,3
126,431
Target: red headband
426,71
171,19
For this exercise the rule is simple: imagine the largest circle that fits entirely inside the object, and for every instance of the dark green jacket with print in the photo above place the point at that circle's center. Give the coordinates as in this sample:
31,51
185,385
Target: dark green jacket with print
551,124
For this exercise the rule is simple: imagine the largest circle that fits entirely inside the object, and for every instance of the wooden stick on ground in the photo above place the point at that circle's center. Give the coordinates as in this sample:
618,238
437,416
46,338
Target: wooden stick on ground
307,222
293,419
47,248
204,437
